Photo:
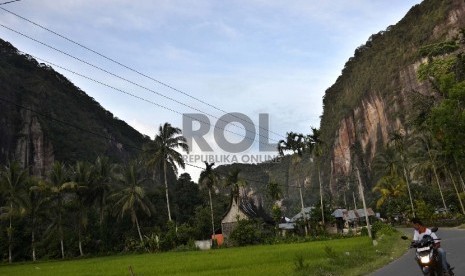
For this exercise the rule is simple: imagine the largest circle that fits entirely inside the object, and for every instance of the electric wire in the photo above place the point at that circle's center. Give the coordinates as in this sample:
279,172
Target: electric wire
122,78
132,69
52,118
9,2
126,80
140,98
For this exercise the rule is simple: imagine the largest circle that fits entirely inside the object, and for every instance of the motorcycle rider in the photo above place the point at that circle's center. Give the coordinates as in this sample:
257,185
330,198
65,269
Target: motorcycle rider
420,231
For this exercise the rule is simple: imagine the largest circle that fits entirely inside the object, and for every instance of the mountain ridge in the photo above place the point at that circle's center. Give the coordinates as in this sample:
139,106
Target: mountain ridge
45,118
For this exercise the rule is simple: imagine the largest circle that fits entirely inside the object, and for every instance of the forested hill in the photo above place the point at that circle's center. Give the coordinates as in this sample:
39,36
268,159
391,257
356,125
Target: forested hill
45,118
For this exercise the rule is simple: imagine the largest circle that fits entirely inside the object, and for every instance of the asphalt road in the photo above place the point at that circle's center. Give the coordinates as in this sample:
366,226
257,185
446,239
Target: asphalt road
452,240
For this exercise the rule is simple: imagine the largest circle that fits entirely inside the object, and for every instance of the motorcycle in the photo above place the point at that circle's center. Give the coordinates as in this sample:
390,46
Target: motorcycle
427,256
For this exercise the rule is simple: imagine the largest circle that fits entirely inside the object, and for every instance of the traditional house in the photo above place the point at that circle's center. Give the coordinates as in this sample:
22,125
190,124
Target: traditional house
242,208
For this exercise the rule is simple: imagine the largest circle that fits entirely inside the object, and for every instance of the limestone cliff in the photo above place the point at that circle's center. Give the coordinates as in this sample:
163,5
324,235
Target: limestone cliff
370,99
44,117
32,148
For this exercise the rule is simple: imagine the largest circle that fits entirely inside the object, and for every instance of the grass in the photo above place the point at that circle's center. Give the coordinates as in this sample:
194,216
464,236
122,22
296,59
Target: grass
310,258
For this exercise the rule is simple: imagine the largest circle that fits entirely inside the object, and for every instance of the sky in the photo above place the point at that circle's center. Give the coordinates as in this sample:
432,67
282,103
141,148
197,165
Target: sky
203,57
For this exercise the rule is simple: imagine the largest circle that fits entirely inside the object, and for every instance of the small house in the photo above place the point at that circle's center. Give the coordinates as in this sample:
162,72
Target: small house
350,217
242,208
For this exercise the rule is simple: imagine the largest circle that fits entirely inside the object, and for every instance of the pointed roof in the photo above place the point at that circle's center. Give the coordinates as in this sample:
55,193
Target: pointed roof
305,213
248,207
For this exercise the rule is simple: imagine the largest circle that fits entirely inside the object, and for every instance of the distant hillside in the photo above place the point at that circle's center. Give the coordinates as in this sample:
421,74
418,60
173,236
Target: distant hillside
44,117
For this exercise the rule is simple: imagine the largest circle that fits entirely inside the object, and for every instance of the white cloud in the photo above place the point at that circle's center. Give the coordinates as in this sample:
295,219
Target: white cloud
142,127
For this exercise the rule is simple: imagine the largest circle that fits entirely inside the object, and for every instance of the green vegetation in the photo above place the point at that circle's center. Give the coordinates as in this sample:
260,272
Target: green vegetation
432,153
100,208
340,257
437,49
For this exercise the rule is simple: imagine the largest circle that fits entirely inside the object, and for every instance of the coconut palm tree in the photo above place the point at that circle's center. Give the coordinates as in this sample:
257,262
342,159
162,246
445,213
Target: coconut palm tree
58,188
459,199
316,149
235,183
397,139
209,178
131,197
82,179
12,181
102,182
425,159
296,143
387,162
36,202
389,187
162,151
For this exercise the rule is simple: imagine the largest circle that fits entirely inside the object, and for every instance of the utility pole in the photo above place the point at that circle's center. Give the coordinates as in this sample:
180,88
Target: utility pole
303,209
321,198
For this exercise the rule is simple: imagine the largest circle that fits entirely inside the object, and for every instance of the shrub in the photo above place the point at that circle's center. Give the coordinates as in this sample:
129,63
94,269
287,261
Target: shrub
364,231
437,49
246,232
380,228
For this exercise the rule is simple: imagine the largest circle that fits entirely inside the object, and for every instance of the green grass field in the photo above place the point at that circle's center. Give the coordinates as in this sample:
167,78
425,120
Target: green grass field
253,260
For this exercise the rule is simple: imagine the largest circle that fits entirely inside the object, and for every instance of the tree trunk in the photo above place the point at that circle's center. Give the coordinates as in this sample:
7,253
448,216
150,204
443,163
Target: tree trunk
303,210
460,174
101,213
138,229
360,187
62,248
60,230
166,191
10,234
321,198
211,210
439,187
462,182
33,241
408,184
80,241
457,192
437,178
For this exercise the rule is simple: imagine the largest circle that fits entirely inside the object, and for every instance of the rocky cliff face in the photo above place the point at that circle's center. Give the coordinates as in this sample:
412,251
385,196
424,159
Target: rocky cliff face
44,117
381,111
33,150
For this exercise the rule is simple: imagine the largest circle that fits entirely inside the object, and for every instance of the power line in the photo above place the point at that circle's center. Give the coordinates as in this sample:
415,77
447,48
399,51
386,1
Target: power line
138,97
132,69
113,139
124,79
101,69
4,3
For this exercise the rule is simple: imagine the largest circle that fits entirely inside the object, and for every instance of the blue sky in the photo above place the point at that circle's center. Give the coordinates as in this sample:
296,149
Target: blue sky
255,56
